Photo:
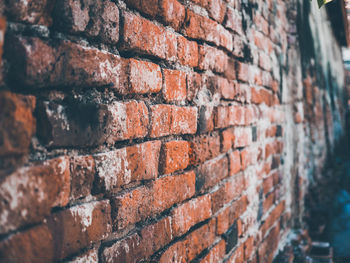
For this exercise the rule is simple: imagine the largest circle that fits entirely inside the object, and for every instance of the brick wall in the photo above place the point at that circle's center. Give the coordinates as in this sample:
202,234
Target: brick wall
162,130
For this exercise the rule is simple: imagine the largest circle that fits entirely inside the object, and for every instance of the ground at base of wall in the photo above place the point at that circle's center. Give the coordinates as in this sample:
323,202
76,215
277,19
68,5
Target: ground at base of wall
327,219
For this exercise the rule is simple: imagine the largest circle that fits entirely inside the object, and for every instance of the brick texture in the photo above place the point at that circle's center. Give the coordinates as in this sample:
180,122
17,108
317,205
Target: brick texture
162,130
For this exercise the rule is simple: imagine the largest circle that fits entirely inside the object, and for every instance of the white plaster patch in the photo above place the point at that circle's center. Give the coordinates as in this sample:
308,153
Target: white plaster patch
83,214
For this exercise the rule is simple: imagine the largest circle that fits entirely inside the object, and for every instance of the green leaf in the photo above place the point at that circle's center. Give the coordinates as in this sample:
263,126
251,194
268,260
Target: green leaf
322,2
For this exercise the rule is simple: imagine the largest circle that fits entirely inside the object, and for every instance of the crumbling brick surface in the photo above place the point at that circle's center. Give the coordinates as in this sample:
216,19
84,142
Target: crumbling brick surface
159,131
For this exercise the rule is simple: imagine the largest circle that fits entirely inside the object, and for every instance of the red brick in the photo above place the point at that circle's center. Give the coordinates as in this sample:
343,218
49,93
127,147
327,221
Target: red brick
149,7
206,119
249,156
143,36
77,17
189,214
268,248
194,85
243,136
140,77
170,119
17,123
211,58
174,85
229,115
215,254
175,156
32,245
227,139
126,120
228,192
187,249
82,66
79,226
187,52
249,248
140,246
30,12
215,8
200,27
130,164
37,64
235,162
210,173
272,218
225,87
83,170
245,72
269,201
173,13
229,215
146,201
29,193
204,148
234,21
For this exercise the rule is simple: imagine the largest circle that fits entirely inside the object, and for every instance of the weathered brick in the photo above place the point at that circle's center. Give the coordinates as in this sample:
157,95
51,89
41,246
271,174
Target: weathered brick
127,120
174,156
143,36
229,115
187,52
149,7
32,245
272,218
210,173
79,226
61,124
82,169
29,193
92,18
123,166
140,246
169,119
140,77
32,12
174,85
189,214
146,201
200,27
204,148
194,85
17,123
230,214
216,9
235,162
234,20
187,249
173,13
211,58
228,192
38,64
215,254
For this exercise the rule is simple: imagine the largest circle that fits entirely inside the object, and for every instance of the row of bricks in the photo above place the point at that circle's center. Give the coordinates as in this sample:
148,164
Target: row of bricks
111,172
37,63
93,219
127,120
75,18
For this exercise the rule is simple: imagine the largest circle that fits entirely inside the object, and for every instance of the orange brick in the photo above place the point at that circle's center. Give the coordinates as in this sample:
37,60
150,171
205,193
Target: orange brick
175,156
174,85
189,214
